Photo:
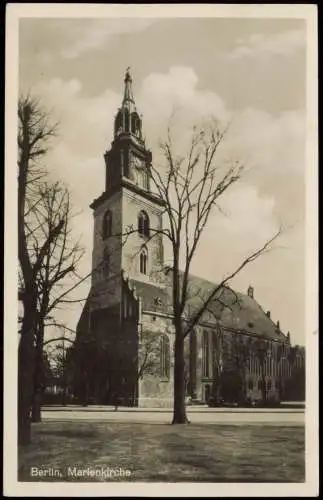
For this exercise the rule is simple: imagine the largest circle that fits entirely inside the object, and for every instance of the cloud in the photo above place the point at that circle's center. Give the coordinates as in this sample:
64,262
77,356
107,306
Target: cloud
248,214
247,220
85,122
272,142
273,145
178,88
285,43
176,94
95,34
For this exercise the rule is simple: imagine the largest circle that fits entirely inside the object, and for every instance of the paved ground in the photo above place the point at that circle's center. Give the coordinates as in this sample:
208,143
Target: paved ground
205,415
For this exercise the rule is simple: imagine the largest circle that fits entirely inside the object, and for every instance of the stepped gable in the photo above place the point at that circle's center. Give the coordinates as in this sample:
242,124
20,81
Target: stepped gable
153,297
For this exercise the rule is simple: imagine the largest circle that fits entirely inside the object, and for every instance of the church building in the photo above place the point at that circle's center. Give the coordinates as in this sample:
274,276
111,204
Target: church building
126,330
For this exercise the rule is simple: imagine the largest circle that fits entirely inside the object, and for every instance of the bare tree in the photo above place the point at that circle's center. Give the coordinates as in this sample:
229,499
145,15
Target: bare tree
145,360
191,187
48,254
59,268
34,134
241,348
217,362
148,354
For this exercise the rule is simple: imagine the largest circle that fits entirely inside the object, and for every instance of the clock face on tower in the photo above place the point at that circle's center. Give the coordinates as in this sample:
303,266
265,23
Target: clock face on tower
137,163
138,172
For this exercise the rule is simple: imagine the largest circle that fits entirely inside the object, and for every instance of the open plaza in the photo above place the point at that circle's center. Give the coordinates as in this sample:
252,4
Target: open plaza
219,445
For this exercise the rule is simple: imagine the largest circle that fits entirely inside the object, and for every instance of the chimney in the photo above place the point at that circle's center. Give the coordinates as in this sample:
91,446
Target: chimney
250,291
278,325
268,314
288,337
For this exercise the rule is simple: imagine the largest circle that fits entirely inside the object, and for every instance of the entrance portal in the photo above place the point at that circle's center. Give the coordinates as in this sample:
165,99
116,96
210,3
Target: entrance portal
207,391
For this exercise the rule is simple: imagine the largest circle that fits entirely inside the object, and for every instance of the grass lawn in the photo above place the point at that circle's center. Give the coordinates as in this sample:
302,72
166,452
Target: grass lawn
160,452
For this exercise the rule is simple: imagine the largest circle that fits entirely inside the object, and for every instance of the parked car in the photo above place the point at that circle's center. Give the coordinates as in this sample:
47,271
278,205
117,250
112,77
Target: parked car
213,402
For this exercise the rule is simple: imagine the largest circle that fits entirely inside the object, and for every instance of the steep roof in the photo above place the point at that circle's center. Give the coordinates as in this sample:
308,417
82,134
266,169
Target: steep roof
232,309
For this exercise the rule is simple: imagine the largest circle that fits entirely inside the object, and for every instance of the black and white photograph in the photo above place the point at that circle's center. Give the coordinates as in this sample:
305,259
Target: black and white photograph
161,325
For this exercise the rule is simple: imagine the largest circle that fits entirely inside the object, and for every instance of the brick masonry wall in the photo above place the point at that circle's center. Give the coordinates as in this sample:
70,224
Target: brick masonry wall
106,285
132,204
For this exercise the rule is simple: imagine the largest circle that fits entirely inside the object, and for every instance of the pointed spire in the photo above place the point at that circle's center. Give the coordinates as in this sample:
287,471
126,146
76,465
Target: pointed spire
127,119
128,95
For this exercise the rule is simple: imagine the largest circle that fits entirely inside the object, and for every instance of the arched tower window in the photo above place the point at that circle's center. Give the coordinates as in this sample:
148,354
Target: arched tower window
135,124
205,355
126,120
143,260
143,224
107,225
164,356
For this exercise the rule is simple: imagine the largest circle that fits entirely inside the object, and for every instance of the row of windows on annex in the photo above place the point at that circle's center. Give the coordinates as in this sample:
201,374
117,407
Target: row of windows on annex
269,385
143,224
270,367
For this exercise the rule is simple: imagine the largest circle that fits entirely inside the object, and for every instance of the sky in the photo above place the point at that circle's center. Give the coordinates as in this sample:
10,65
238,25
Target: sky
248,71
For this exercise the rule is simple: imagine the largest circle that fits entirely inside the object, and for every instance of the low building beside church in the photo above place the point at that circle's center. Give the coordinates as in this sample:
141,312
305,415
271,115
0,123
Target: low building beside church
126,331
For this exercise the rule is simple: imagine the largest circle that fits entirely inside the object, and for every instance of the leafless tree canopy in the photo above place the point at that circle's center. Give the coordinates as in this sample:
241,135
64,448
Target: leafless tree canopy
47,254
191,186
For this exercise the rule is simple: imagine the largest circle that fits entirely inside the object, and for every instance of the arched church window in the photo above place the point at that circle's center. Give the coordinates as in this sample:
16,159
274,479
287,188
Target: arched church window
143,260
205,355
143,224
164,356
107,225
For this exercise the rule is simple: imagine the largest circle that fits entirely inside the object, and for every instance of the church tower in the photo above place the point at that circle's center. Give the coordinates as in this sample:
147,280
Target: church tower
127,215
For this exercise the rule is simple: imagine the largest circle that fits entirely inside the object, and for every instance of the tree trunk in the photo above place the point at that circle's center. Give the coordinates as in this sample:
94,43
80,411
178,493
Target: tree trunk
25,377
179,411
38,373
35,411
